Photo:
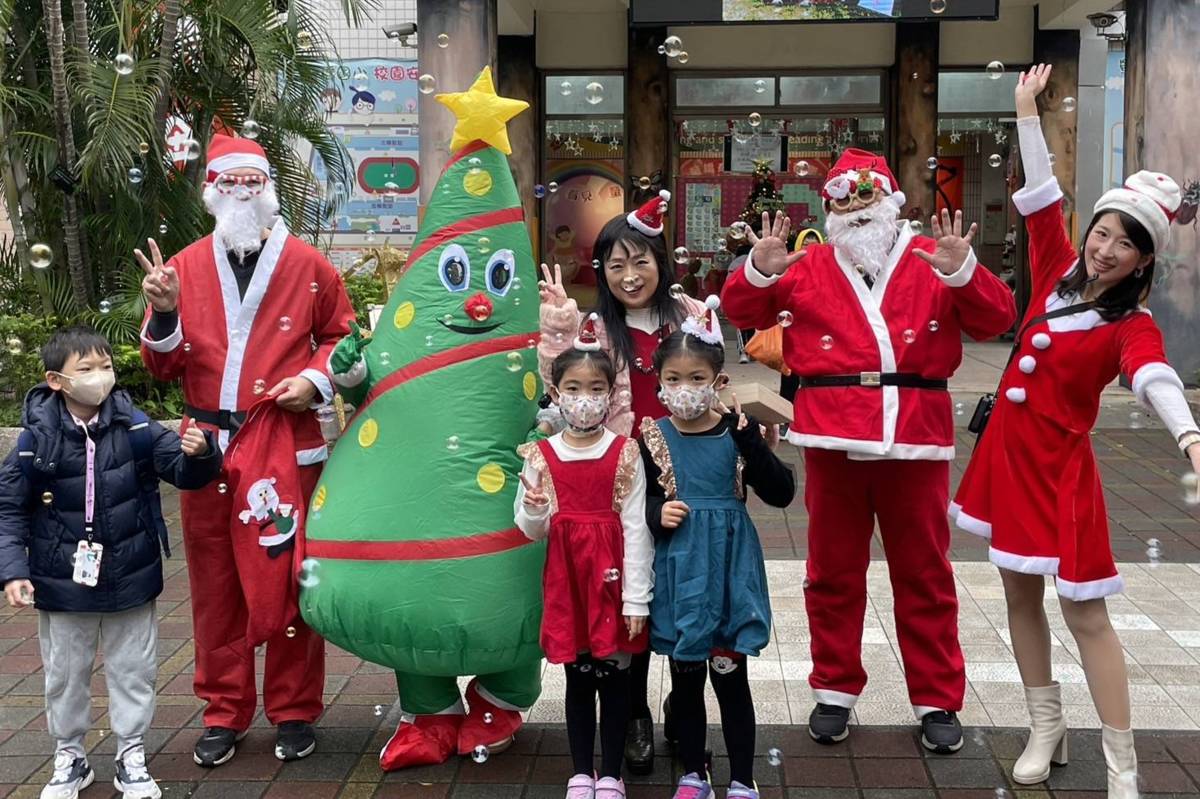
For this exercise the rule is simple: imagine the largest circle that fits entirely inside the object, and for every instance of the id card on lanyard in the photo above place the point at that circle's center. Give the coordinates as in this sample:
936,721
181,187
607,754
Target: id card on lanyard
89,553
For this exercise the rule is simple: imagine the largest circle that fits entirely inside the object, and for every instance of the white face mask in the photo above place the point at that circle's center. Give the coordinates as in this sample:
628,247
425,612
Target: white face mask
89,388
688,402
583,413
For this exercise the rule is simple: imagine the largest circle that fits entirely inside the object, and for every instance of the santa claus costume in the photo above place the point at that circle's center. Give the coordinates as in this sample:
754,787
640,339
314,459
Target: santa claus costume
248,316
874,342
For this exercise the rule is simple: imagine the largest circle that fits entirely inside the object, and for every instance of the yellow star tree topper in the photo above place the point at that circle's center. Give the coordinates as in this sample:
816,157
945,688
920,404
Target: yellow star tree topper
482,114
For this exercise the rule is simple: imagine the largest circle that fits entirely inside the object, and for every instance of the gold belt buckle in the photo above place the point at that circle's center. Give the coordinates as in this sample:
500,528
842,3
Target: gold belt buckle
870,379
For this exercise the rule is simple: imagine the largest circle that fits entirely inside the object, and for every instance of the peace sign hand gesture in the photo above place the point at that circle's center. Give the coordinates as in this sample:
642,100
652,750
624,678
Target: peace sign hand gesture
952,246
770,253
551,288
161,283
535,497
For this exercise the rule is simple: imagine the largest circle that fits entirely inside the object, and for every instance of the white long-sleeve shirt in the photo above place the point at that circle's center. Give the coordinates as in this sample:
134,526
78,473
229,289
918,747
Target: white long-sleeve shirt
638,568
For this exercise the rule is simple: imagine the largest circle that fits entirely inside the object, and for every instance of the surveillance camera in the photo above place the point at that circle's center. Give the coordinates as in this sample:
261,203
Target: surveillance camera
402,31
1102,20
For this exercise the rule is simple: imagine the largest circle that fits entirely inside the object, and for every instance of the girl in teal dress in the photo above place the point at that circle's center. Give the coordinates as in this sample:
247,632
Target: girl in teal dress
710,608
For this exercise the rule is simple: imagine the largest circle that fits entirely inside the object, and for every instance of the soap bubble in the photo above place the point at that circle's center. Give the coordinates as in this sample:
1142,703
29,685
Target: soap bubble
452,443
802,168
594,93
565,88
644,183
995,70
682,256
909,336
308,572
443,40
760,86
260,386
313,287
595,263
774,756
539,191
144,148
370,235
683,57
187,347
162,229
673,46
1191,488
47,498
784,318
959,409
826,342
222,488
385,357
285,323
515,362
135,176
426,84
937,6
933,326
1053,159
448,318
676,291
755,119
612,575
737,230
304,40
994,160
123,64
250,129
40,255
429,341
105,306
191,150
931,163
488,718
485,244
361,76
379,710
552,187
1068,104
662,50
917,226
290,632
480,754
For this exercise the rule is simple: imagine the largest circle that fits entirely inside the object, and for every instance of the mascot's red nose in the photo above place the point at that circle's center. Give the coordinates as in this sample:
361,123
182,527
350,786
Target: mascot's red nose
479,307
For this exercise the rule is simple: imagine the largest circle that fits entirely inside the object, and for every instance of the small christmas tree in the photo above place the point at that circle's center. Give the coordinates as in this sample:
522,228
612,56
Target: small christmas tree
764,196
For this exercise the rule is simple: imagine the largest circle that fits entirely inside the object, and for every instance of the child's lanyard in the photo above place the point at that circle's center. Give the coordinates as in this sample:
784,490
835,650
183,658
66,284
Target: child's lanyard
89,502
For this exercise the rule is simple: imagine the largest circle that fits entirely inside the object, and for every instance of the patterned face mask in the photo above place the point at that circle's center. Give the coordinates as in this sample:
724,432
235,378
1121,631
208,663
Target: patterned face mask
688,402
583,413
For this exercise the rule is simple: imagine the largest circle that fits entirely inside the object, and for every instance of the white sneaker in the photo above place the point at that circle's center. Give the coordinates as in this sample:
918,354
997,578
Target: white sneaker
133,779
71,775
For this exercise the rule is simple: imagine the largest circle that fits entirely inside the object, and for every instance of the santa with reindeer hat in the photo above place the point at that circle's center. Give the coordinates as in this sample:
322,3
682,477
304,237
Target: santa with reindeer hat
245,314
873,322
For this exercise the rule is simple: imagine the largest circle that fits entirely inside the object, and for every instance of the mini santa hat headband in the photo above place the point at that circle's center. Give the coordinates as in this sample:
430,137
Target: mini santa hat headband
1152,198
587,340
855,168
227,152
648,219
705,325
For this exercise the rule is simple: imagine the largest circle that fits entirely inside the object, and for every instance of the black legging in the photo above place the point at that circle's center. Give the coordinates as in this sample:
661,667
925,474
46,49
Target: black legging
737,715
639,686
585,678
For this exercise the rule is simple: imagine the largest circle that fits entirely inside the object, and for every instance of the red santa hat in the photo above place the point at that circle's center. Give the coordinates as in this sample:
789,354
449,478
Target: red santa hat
649,218
857,167
1152,198
587,340
226,153
705,325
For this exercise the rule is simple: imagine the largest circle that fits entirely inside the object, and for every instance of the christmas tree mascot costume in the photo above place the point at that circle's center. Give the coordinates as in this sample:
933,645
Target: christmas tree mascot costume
413,560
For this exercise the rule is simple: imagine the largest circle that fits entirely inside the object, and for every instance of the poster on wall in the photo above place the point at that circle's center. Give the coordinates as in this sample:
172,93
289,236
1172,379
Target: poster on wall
702,223
371,106
744,151
589,193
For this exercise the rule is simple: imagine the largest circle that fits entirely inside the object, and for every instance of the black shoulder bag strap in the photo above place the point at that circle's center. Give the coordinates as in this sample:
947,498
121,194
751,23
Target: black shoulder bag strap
983,410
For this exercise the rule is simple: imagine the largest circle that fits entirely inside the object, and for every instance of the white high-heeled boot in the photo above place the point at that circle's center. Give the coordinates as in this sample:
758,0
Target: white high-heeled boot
1047,736
1121,759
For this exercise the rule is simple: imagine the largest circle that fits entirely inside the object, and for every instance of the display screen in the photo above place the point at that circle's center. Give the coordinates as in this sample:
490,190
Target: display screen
683,12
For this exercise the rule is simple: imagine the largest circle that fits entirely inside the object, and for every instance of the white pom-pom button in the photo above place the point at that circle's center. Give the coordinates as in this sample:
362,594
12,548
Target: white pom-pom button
1041,341
1027,364
1015,394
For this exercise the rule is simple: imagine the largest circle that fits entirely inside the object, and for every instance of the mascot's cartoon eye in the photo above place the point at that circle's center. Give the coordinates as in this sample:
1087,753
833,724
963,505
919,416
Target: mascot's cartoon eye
455,268
500,271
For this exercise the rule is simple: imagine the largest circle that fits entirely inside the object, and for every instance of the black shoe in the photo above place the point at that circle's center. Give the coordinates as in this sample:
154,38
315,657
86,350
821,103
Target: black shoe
827,724
669,731
296,740
941,732
639,746
216,746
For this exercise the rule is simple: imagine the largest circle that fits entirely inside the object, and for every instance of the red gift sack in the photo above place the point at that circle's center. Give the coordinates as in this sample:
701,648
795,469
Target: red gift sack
268,517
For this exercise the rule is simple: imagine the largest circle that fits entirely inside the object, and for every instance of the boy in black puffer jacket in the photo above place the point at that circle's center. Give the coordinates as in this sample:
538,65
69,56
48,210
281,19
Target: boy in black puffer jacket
81,528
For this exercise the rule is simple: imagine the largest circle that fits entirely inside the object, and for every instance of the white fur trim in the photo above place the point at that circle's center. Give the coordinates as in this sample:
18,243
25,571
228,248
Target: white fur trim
495,700
857,449
962,276
1025,564
1031,199
307,457
641,226
921,711
321,381
757,278
899,197
967,522
1027,364
1090,589
1150,373
1085,320
239,161
1015,394
908,452
1147,197
168,344
1040,341
836,698
351,377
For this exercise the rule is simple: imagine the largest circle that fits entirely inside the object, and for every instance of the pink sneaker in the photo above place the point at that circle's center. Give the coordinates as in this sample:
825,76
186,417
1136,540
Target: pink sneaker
610,788
739,791
692,787
582,786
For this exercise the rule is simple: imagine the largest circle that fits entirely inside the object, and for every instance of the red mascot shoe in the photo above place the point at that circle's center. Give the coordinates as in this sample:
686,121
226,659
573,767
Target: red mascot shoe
425,741
486,724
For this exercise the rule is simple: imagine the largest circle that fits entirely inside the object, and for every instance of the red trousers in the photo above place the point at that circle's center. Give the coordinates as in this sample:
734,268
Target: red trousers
294,672
910,498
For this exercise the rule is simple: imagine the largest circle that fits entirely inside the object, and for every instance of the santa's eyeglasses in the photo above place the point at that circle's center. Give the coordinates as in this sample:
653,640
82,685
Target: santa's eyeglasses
228,184
864,195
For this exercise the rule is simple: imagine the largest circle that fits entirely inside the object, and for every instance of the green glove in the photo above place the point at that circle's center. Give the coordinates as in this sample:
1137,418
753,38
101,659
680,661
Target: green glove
349,350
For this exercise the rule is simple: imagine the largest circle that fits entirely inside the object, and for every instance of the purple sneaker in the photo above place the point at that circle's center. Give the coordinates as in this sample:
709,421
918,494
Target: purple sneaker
692,787
581,786
739,791
610,788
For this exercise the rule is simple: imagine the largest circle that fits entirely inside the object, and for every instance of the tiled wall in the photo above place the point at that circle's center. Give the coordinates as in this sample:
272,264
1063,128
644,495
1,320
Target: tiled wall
368,40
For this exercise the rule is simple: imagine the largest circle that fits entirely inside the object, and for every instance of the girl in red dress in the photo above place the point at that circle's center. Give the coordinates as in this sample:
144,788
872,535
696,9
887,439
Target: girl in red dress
638,306
1032,485
585,490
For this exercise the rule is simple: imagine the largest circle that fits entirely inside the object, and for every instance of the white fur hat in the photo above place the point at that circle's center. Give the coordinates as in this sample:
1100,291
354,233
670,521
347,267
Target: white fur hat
1151,198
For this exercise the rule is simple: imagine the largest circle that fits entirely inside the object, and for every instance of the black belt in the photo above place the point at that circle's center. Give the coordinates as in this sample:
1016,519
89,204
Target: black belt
874,380
225,420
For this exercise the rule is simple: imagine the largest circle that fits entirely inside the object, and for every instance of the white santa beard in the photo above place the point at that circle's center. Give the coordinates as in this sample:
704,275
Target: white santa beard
240,222
865,245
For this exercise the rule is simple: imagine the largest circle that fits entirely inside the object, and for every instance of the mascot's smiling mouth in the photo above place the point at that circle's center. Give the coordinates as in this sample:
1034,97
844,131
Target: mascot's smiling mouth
469,331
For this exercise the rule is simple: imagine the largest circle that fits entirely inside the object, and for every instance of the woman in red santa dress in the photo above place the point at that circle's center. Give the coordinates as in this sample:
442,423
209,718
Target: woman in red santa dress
1032,485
